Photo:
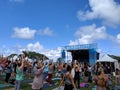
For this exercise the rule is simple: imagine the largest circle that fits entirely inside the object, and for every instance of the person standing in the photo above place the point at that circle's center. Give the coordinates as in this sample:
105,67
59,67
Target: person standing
8,71
101,81
117,76
77,77
73,69
38,78
68,80
19,73
50,73
45,72
63,70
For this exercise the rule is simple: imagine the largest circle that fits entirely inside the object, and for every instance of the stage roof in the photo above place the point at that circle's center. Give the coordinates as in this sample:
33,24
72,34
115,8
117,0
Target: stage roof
80,47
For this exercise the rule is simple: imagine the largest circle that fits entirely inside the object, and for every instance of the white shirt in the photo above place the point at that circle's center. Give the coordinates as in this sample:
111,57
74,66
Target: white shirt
73,72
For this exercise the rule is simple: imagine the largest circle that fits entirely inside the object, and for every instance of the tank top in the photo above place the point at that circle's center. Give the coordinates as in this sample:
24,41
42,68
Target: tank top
77,74
19,74
67,80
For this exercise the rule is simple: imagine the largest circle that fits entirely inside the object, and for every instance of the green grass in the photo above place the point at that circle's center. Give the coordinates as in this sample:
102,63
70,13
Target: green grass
26,86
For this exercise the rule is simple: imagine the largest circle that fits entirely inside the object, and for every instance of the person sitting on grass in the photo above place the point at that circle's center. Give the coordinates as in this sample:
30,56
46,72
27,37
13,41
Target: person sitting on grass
68,80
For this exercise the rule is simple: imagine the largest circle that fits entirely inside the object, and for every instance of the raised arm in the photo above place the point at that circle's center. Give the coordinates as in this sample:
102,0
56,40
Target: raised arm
71,78
23,59
61,82
43,66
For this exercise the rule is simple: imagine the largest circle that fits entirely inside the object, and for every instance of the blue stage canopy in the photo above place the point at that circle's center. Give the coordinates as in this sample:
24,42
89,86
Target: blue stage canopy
81,46
90,47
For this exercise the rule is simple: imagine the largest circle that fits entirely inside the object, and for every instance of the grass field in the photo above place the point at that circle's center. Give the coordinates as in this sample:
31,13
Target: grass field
26,86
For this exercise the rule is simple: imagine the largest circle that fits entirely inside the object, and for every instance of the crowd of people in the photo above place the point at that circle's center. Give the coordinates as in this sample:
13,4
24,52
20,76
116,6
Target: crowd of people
71,74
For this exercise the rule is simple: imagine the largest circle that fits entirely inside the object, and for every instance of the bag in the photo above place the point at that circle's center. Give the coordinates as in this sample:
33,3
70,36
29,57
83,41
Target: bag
101,82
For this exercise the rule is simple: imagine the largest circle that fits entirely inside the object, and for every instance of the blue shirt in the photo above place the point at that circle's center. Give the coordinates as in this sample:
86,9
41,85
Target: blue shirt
46,68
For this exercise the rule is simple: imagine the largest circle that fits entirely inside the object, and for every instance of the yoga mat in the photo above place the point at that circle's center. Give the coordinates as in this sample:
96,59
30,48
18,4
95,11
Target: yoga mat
4,85
56,79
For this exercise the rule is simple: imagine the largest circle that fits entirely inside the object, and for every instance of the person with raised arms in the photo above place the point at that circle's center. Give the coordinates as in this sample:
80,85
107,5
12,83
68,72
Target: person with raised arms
68,80
19,73
38,77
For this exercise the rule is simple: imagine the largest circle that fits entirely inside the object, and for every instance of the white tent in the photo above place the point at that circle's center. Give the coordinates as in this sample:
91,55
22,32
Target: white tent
107,58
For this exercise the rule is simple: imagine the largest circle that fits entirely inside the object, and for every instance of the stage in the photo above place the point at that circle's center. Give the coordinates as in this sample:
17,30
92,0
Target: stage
82,53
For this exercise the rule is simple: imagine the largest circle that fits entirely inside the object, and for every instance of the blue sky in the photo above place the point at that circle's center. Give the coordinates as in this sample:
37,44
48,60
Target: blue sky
46,25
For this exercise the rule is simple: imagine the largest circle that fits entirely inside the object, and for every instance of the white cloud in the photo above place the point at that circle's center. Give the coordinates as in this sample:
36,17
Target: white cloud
35,47
107,10
118,38
53,53
89,34
7,51
24,33
50,53
46,31
16,0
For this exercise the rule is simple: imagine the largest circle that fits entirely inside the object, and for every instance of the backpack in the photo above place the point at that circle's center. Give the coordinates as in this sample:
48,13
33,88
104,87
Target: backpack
101,82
